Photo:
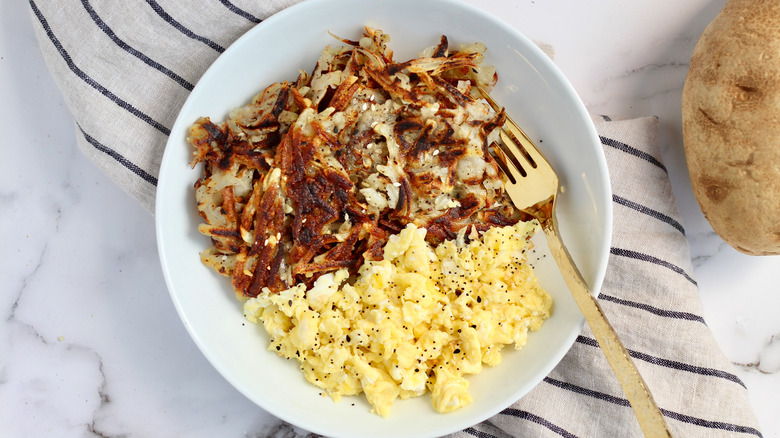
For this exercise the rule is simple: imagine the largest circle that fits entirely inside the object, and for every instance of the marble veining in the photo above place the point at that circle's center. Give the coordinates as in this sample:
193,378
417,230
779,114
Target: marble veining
92,345
768,361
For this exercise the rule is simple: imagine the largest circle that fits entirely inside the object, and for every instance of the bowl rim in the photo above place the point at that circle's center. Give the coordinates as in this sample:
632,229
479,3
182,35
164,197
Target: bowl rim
287,14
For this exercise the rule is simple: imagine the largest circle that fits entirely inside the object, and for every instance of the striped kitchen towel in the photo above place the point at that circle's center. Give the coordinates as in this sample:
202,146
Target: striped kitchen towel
125,68
650,297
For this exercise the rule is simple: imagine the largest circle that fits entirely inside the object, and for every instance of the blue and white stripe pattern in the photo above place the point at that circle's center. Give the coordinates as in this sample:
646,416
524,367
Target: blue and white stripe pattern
116,61
129,66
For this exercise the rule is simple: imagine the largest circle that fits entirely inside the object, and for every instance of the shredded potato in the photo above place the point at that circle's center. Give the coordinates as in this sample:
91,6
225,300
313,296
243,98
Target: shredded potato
313,176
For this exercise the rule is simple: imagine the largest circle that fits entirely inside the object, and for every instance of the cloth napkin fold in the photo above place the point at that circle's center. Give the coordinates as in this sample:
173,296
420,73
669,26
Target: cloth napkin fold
125,69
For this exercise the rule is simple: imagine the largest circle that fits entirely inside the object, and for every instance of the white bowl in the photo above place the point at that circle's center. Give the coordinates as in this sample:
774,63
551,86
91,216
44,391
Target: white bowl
535,94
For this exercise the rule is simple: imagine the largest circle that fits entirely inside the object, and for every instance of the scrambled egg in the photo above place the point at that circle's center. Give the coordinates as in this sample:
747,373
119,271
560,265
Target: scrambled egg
419,320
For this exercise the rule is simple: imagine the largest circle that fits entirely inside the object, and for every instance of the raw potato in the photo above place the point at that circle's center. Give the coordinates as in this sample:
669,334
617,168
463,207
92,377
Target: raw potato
731,125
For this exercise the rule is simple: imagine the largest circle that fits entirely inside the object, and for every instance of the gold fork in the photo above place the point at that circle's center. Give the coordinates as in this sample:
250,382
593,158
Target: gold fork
533,189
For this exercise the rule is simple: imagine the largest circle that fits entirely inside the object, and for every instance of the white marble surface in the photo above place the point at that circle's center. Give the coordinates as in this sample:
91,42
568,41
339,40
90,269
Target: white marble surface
90,343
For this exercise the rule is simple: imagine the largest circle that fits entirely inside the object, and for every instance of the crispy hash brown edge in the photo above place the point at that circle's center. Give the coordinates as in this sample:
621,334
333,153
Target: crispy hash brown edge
314,175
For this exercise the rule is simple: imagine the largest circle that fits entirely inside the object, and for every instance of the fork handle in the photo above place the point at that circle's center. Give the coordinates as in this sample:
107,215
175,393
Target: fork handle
650,418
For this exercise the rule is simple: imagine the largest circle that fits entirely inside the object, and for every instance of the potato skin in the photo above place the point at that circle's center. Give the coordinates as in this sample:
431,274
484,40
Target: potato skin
731,125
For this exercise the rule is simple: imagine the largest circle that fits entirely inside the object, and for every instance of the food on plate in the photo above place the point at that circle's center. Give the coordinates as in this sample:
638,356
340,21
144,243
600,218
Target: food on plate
418,320
359,207
731,125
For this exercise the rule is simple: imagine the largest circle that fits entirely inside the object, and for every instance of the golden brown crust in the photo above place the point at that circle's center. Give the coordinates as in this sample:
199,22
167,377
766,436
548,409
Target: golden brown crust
315,176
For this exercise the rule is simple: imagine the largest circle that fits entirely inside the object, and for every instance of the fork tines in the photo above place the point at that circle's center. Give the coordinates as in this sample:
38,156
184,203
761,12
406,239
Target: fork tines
514,144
